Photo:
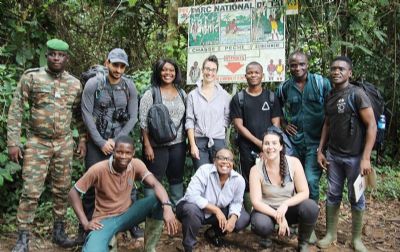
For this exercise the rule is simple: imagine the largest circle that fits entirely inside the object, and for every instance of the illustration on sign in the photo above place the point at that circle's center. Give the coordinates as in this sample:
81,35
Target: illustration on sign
237,33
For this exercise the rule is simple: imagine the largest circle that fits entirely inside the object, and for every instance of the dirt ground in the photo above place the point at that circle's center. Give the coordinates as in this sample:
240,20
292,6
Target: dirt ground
381,233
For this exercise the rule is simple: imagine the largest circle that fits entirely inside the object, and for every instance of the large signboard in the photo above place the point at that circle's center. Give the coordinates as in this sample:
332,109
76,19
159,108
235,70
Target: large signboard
237,33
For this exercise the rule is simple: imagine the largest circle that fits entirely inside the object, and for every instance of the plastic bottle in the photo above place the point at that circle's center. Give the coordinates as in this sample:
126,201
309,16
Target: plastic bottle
381,132
382,123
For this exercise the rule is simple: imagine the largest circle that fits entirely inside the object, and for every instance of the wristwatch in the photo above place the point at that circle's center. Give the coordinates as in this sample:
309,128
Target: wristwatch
168,203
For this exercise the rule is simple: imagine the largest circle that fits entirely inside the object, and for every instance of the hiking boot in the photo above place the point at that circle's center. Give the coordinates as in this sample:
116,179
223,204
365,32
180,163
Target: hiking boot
22,242
59,236
136,232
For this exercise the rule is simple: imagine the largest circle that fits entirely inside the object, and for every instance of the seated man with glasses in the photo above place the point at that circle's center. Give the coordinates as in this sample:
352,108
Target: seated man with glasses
214,196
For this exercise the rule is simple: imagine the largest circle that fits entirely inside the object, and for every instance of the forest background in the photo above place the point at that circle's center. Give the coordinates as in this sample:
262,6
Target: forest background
366,31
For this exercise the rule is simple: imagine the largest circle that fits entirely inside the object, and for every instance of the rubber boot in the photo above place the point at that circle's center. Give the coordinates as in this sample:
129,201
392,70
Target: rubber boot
356,230
152,234
176,192
303,237
332,218
59,236
313,238
247,202
22,244
148,192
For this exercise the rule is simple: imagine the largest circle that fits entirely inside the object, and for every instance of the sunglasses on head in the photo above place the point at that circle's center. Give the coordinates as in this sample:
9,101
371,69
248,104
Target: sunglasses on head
274,129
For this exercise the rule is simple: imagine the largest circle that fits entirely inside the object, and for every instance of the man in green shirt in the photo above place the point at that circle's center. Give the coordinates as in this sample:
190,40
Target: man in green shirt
302,99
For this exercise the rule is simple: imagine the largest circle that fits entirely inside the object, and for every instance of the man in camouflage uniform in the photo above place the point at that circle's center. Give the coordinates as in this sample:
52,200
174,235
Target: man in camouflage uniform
53,98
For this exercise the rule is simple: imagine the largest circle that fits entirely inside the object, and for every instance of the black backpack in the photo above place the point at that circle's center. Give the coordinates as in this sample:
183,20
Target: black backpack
377,103
271,100
159,124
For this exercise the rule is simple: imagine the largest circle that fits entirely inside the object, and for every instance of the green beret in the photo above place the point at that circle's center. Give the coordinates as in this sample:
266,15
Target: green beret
57,45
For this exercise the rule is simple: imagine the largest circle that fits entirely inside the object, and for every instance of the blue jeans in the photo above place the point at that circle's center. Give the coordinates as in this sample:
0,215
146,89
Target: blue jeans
340,168
98,240
308,158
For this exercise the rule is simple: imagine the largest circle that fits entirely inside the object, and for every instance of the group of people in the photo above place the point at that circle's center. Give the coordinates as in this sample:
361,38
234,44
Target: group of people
271,188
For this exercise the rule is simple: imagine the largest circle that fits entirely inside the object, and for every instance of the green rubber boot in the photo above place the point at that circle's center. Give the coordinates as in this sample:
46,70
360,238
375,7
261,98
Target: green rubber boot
148,192
305,231
176,192
356,230
152,234
313,238
332,218
247,202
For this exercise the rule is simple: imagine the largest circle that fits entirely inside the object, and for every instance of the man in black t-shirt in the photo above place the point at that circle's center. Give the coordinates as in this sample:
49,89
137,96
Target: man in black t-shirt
252,111
350,139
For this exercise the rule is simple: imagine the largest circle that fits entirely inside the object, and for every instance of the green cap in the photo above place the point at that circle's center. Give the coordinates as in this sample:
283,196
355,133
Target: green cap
57,45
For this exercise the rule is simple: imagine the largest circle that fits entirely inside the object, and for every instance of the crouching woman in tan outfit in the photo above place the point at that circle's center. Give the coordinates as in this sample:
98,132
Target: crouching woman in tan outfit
279,193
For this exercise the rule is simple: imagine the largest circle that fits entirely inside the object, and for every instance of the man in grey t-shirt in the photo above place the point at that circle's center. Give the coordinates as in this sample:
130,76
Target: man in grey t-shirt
109,108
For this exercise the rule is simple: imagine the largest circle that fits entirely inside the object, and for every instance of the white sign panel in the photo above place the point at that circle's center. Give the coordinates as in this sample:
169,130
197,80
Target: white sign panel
237,33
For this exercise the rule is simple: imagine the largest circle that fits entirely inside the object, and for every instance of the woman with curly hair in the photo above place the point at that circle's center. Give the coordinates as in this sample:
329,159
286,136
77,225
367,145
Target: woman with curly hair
165,159
279,193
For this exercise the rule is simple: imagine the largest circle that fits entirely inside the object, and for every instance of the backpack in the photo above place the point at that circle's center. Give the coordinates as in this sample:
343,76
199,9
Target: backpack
159,123
318,84
271,100
377,103
101,72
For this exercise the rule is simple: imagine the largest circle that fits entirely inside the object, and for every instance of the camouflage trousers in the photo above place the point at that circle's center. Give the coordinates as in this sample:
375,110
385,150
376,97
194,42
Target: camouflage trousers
42,157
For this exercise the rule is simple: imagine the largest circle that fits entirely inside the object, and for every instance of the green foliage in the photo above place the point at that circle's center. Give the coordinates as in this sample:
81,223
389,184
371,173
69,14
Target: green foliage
7,87
388,179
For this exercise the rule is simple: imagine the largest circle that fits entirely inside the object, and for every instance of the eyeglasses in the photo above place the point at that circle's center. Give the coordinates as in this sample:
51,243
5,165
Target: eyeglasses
222,158
214,70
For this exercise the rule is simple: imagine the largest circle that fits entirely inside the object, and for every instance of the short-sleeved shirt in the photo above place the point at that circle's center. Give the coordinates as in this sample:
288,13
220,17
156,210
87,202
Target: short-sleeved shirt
304,109
256,113
341,140
113,189
176,109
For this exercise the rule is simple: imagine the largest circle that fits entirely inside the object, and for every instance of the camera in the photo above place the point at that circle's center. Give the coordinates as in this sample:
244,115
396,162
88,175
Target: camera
120,115
101,122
